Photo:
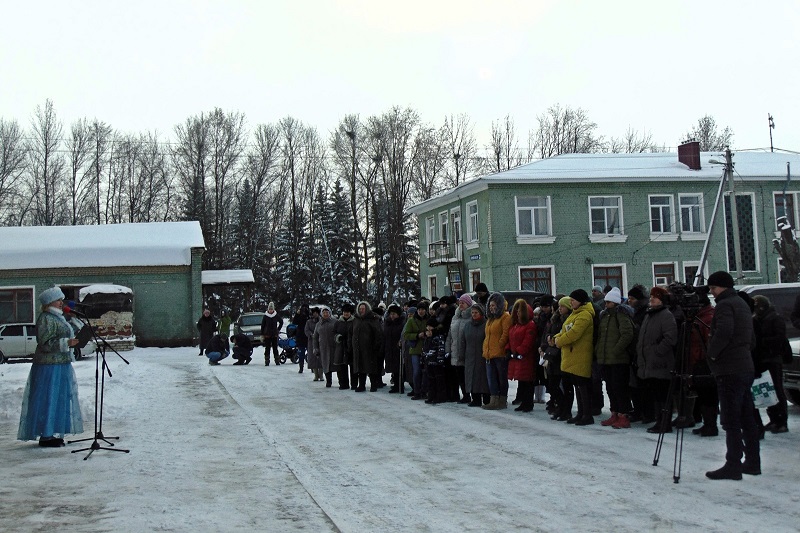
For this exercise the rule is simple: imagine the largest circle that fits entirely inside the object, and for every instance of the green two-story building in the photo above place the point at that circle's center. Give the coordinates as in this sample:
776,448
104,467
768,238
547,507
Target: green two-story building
579,220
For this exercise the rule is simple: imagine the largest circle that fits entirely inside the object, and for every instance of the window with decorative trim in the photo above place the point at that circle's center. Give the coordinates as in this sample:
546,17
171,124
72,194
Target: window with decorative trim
605,215
430,230
443,226
16,305
472,222
661,214
692,214
612,275
663,274
537,278
533,216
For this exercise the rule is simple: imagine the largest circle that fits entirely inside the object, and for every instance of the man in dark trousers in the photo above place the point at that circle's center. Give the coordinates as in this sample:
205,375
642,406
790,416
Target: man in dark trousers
242,349
270,328
731,363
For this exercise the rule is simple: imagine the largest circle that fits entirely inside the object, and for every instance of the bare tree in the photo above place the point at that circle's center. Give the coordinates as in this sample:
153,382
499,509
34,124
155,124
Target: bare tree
47,167
429,160
13,164
566,131
710,138
155,181
102,143
79,152
504,146
460,140
633,142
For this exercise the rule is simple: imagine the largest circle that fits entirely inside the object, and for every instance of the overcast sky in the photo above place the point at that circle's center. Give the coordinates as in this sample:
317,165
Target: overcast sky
651,66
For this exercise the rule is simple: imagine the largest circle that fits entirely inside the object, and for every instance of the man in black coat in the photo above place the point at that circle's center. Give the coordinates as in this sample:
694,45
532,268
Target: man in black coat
300,319
206,325
242,349
729,357
270,329
771,343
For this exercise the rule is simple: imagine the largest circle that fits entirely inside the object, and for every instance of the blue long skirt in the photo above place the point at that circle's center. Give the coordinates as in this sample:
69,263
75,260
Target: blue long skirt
50,405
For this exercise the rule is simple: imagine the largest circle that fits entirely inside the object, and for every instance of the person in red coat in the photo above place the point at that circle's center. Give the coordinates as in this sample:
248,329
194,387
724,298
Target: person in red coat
522,343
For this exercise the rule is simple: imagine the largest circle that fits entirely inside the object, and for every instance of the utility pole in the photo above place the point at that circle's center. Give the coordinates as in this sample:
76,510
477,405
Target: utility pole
737,250
771,127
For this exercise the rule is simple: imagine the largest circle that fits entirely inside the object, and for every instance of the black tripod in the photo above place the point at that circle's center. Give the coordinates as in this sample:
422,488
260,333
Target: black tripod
99,389
679,391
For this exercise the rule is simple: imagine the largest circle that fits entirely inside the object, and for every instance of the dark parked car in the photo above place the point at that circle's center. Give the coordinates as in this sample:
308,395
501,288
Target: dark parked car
250,325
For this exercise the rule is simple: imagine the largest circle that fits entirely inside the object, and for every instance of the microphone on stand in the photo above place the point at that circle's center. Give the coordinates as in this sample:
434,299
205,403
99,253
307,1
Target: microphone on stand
68,309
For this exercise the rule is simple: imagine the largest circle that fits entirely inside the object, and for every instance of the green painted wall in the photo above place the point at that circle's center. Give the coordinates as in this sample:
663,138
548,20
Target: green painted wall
167,300
573,255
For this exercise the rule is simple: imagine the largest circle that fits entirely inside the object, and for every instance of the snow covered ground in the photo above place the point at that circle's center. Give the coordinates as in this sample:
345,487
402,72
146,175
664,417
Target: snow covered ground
255,448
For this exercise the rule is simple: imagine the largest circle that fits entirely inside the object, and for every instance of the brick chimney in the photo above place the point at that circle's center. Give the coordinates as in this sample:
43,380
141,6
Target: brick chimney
689,154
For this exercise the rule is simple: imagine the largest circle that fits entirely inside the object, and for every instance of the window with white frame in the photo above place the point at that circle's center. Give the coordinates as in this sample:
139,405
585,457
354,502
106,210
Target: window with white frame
661,214
691,272
443,226
455,219
605,215
691,212
786,204
536,278
16,305
432,287
430,229
533,216
663,273
472,223
612,275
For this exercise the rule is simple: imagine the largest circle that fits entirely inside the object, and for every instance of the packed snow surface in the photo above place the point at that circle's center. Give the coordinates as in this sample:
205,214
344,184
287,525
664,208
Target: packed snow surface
257,448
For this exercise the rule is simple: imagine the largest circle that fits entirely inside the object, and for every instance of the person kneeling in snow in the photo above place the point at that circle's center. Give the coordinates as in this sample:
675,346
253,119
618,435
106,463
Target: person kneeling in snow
242,349
217,349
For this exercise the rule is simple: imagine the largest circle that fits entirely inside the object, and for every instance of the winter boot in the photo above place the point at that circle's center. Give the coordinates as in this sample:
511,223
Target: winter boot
362,383
610,421
622,422
709,427
466,398
502,403
476,401
685,418
663,420
493,404
328,376
728,471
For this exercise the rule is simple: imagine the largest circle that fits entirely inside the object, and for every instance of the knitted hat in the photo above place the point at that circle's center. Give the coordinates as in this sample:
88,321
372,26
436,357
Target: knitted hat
481,287
348,308
597,288
761,301
566,301
50,295
636,293
271,306
546,300
614,295
479,308
580,295
467,299
720,279
660,293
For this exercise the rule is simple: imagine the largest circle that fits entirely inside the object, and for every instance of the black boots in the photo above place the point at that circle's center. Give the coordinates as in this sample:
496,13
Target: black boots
328,376
362,383
709,427
728,471
663,420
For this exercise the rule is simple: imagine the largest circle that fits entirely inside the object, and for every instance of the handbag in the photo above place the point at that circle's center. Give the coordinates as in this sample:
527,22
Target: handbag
763,389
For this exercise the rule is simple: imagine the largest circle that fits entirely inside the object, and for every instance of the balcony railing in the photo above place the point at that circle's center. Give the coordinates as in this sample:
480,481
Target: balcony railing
441,252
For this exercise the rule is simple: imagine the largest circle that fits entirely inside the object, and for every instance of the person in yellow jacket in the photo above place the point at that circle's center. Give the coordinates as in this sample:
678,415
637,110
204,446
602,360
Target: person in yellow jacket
576,340
495,346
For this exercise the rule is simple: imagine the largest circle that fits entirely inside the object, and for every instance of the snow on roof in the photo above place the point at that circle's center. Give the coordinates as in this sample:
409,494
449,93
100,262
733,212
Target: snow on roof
103,288
105,245
222,277
576,168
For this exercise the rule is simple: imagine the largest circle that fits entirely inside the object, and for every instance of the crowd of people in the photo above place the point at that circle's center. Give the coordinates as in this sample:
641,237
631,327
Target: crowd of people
667,357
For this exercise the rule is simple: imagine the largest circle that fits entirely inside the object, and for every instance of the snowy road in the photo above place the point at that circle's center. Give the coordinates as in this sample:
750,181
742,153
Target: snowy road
266,449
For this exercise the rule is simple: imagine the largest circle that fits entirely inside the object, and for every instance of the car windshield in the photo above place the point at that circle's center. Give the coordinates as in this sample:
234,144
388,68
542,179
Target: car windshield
251,320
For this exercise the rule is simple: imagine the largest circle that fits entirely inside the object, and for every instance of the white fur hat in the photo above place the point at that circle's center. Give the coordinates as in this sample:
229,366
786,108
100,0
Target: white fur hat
50,295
